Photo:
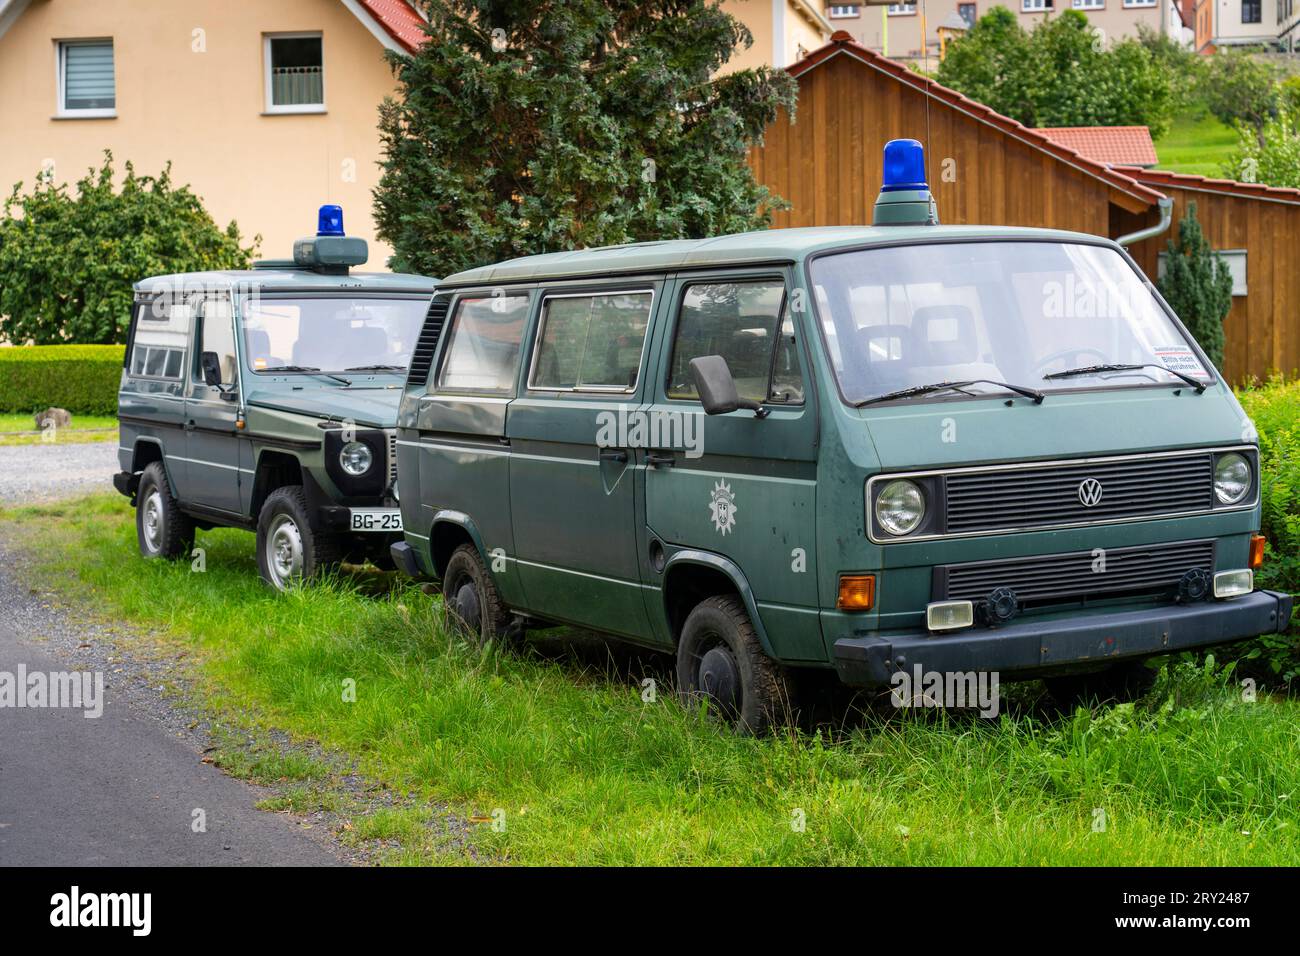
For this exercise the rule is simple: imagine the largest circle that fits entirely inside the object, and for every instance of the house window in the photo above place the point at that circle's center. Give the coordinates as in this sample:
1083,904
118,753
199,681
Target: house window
86,83
1035,6
902,9
967,12
1089,4
1251,11
845,10
1139,3
295,73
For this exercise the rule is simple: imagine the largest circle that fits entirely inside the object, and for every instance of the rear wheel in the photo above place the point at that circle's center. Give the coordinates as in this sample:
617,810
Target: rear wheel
720,660
161,528
472,599
289,548
1119,683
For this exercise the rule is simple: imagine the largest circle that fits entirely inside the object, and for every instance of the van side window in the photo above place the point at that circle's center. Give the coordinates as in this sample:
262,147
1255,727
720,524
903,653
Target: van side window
482,353
591,342
158,346
742,322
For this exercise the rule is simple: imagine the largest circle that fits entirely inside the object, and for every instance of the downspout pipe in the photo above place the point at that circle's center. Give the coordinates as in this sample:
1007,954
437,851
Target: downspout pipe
1166,217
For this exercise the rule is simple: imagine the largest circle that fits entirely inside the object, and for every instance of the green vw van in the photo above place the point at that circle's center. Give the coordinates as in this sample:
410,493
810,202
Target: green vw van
267,399
878,450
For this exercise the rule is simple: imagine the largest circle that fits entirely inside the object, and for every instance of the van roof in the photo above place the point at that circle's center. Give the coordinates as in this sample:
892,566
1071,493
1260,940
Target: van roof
766,246
289,280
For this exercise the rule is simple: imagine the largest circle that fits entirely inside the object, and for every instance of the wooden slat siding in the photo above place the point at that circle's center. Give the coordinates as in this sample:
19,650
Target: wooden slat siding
1261,332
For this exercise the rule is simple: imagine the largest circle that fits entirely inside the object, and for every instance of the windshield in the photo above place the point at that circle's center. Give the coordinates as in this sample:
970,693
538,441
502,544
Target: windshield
331,334
1013,312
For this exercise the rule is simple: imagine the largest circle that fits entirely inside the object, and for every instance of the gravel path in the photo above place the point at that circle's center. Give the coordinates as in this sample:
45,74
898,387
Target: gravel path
37,473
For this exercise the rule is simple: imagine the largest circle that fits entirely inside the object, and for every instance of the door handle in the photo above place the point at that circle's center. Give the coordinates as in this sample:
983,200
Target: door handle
613,454
656,459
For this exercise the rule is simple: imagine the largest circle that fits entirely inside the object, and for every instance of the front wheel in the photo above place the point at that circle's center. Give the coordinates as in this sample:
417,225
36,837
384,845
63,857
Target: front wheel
289,548
161,528
720,660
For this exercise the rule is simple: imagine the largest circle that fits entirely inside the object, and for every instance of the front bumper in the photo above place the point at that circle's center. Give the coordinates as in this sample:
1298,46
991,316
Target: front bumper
1033,647
127,483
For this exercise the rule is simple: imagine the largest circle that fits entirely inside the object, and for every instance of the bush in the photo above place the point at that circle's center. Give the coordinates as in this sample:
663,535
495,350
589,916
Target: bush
67,263
1273,407
81,378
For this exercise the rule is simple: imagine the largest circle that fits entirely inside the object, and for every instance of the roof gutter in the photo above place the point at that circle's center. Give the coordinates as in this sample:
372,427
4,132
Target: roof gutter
1166,217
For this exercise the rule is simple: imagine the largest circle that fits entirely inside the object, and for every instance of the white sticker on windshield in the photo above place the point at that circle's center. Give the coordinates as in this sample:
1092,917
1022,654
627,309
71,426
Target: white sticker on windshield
1179,358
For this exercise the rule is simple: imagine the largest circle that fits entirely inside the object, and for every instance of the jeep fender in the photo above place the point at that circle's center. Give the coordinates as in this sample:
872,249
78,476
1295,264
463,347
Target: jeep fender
139,461
466,524
732,571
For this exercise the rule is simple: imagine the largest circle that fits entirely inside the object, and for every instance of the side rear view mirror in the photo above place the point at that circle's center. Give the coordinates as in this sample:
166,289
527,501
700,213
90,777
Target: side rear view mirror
211,366
717,388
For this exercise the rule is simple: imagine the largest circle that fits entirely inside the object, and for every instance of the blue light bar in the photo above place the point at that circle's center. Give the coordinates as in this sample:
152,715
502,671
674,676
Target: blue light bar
330,222
904,166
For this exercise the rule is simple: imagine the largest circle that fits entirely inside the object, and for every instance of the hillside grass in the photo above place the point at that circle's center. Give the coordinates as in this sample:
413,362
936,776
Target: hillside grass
557,759
1197,143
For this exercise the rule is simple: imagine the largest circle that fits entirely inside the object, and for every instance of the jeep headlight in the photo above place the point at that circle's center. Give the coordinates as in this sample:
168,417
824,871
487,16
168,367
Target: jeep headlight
1231,478
356,458
900,506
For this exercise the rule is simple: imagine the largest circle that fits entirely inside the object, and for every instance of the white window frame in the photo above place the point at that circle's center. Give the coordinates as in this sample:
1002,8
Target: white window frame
1089,4
1035,6
901,9
1139,3
843,11
269,108
60,111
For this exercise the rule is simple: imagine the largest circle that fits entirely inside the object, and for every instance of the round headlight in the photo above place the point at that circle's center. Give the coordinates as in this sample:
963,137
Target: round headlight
356,458
900,506
1231,478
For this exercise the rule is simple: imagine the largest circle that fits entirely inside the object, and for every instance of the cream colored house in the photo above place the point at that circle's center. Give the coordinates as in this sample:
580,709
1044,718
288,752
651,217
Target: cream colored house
785,31
267,109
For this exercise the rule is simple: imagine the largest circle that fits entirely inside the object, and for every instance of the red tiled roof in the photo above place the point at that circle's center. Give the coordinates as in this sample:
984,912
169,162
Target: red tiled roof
399,20
1162,177
842,42
1112,145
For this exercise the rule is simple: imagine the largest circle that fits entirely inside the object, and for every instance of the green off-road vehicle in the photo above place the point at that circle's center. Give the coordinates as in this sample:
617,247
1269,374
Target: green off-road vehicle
267,399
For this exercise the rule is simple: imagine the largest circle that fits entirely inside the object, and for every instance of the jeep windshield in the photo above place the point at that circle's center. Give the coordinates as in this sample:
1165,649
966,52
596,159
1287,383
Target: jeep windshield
984,313
328,334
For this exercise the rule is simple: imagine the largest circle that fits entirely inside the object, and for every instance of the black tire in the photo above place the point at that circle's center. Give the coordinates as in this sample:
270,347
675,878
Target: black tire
289,547
720,659
161,529
472,600
1119,683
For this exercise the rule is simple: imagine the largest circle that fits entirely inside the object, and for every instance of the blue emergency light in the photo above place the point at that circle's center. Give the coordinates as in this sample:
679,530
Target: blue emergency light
330,222
904,198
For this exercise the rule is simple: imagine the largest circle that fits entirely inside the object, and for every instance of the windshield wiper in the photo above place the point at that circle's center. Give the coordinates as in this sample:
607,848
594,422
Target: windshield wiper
305,368
376,368
1024,390
1097,369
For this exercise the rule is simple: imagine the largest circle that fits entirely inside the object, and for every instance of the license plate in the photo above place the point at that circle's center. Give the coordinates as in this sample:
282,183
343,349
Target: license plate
376,519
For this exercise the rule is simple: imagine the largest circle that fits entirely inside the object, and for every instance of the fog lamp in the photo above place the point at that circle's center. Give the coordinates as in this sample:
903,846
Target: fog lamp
1231,584
949,615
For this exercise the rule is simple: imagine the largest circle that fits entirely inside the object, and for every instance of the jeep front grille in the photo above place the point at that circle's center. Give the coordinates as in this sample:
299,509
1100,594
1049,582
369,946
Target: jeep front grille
392,456
1046,578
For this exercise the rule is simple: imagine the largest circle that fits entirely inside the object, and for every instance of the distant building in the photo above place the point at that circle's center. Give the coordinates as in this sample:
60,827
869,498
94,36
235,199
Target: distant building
785,31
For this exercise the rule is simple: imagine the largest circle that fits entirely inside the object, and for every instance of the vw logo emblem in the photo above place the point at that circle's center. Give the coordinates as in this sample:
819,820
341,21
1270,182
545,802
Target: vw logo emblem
1089,492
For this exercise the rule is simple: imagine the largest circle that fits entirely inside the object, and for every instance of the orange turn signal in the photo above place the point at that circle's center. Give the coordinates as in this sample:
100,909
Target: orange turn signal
1256,552
857,592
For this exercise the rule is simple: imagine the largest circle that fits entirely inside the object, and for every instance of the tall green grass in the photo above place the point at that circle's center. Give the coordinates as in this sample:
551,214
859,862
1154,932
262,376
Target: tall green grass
580,769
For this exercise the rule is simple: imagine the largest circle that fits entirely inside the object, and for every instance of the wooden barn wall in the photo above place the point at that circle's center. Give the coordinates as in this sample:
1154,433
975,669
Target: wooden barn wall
1262,332
827,163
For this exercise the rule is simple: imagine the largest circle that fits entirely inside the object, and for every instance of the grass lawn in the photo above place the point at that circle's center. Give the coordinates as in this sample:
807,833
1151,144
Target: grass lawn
577,768
1196,143
21,429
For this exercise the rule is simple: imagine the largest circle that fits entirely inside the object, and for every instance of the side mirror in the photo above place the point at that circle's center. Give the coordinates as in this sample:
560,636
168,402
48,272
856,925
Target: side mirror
717,388
211,366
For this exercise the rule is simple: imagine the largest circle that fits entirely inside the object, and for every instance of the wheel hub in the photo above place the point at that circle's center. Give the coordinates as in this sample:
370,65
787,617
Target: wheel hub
284,551
467,606
720,678
153,520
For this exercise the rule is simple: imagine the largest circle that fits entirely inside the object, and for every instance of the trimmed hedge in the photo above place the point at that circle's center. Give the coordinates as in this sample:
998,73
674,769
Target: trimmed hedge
81,378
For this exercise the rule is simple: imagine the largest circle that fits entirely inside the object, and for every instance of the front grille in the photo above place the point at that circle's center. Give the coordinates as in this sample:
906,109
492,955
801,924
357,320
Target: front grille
1079,574
392,457
1048,496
